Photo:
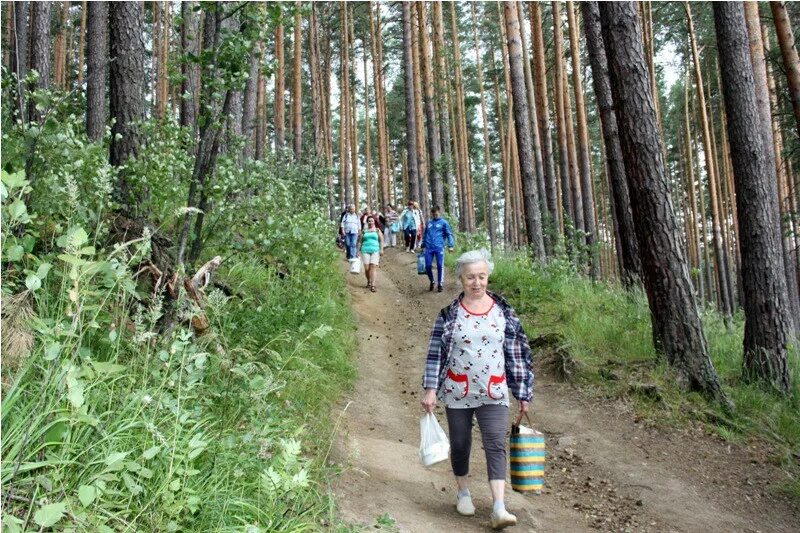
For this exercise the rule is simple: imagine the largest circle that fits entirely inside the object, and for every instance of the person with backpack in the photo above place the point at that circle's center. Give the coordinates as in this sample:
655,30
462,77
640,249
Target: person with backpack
437,234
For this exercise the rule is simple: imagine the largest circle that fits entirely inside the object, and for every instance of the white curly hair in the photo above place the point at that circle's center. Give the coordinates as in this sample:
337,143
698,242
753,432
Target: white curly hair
474,256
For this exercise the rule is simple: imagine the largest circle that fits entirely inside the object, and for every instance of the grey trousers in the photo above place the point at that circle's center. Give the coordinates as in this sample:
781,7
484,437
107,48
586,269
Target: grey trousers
493,423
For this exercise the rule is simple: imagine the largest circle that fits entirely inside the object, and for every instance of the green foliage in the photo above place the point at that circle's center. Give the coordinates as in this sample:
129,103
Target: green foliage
113,422
608,331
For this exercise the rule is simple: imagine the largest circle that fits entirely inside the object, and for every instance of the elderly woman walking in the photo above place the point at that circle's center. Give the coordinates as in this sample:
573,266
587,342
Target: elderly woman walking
478,354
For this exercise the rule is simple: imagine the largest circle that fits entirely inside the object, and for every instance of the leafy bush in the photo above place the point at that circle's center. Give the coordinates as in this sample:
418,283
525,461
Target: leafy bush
110,421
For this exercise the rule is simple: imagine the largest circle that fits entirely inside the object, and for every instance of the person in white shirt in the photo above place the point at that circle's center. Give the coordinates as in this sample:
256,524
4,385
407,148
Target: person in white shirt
351,228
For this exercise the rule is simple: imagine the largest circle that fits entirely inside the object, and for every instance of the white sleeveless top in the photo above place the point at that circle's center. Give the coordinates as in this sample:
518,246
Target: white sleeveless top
476,374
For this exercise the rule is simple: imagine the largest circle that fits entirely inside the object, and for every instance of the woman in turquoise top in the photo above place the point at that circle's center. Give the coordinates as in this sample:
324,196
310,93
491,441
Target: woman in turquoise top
370,246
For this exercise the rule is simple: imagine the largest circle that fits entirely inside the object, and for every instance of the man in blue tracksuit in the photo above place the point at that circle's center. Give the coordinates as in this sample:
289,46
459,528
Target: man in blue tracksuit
437,234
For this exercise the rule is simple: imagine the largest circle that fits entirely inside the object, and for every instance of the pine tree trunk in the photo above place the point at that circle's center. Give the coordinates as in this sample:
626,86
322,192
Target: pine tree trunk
353,112
249,102
39,52
411,120
190,84
96,69
711,171
434,146
280,90
791,62
261,110
767,321
563,151
535,137
468,203
60,52
126,29
776,171
691,190
443,100
487,152
377,76
297,87
21,14
543,116
367,138
82,42
422,158
533,221
628,247
587,193
344,110
676,324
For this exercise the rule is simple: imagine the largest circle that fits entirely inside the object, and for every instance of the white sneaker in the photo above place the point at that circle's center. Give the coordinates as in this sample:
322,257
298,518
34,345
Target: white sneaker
464,506
501,519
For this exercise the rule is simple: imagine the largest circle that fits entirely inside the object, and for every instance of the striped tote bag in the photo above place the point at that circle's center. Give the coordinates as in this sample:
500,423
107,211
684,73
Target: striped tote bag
527,458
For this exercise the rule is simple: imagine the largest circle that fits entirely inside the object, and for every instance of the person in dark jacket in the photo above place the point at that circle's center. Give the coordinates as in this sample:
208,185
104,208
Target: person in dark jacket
437,235
478,357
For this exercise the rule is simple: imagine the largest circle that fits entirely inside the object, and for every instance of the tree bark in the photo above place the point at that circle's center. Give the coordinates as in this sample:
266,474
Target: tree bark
19,52
791,62
190,84
280,89
775,169
538,164
380,106
126,28
39,52
468,205
629,250
543,116
249,102
767,321
434,146
563,151
96,70
533,220
411,123
443,100
422,158
587,192
82,41
60,51
487,151
711,170
297,87
344,110
676,323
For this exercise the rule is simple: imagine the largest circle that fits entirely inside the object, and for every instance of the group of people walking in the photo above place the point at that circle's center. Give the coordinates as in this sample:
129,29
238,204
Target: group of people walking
365,237
478,355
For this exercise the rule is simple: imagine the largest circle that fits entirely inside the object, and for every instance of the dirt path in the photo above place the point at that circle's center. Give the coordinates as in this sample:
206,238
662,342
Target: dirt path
605,471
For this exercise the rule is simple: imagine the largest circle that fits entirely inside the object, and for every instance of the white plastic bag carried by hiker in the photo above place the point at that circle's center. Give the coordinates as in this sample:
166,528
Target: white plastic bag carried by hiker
434,446
355,266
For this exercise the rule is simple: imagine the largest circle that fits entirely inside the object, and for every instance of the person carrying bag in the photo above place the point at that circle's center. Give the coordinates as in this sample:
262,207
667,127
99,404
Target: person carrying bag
527,457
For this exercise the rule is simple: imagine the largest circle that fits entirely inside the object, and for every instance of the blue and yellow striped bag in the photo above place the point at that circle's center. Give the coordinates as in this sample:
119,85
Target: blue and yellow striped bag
527,458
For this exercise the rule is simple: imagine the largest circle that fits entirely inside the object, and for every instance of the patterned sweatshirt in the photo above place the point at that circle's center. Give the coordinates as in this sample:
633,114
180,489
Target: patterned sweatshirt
517,351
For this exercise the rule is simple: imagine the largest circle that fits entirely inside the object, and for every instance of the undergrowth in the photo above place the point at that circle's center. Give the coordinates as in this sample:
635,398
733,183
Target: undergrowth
608,332
112,422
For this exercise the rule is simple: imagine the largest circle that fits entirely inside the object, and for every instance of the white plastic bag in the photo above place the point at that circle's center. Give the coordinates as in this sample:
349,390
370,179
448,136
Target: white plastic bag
434,446
355,266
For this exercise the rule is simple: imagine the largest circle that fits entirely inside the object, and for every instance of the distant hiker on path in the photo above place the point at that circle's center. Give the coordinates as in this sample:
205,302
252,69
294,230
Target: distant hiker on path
409,224
371,246
420,220
437,234
351,228
392,226
478,353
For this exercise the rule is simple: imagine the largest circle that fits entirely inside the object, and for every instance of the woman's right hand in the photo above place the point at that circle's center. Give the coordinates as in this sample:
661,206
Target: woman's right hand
429,400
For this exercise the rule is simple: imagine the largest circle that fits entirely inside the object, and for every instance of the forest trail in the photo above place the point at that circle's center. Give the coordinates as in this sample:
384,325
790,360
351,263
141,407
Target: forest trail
605,470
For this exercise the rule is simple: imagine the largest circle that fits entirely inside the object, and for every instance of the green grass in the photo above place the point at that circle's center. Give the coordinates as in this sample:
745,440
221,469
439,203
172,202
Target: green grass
608,332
